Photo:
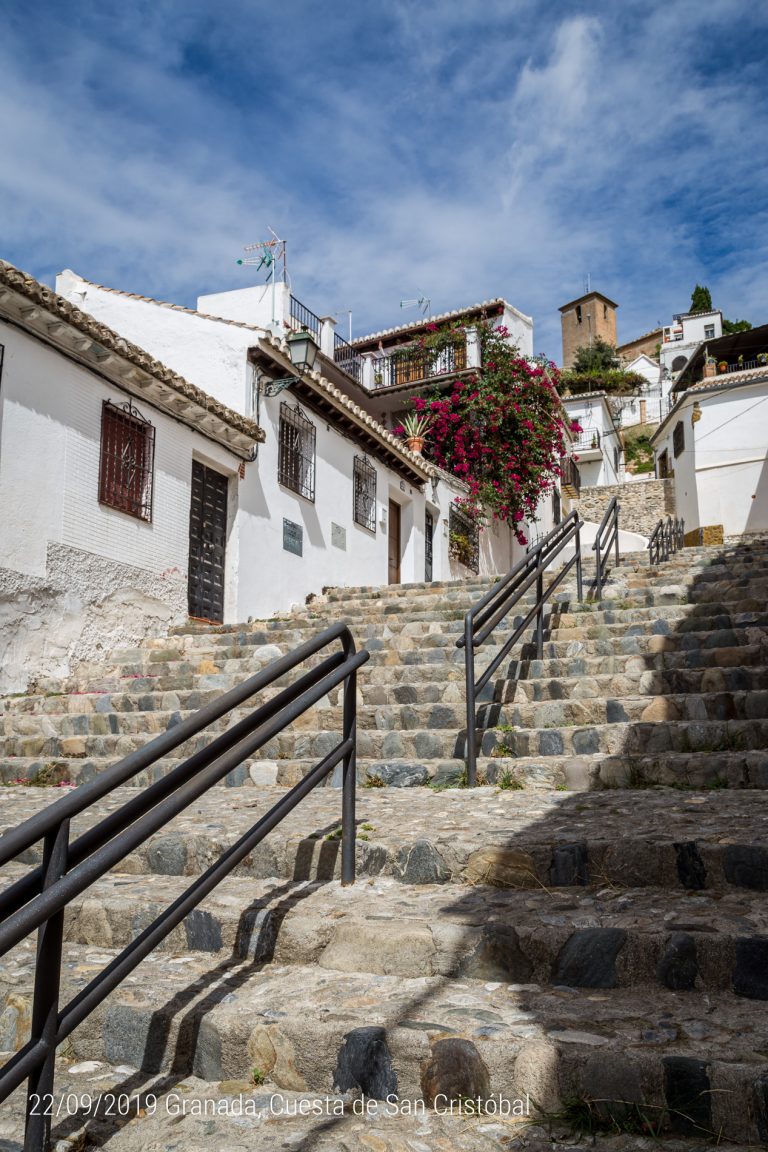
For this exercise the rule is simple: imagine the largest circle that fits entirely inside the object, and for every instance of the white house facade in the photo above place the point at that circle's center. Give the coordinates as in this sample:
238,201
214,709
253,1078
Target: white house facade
681,338
98,447
715,444
597,449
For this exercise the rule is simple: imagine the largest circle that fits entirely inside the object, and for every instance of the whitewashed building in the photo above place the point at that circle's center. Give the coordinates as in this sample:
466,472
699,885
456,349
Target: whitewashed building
714,441
101,448
681,338
597,449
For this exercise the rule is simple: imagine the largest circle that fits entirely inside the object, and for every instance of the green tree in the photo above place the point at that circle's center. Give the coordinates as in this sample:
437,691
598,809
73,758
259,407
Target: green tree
599,356
731,326
701,299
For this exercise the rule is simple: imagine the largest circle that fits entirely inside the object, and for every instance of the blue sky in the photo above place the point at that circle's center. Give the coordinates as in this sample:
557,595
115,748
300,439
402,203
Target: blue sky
455,148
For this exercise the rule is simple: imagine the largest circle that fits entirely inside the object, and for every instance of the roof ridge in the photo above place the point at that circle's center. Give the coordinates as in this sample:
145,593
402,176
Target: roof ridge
46,297
435,319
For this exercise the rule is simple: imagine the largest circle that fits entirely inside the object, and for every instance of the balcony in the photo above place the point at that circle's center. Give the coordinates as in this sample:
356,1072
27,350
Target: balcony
587,445
345,357
413,366
302,317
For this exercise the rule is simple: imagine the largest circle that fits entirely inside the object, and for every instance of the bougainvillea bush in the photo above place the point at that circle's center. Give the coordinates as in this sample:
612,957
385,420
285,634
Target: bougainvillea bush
500,429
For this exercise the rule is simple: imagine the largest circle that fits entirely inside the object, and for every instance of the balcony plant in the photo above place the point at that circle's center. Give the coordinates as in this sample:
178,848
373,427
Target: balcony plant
461,548
500,429
415,430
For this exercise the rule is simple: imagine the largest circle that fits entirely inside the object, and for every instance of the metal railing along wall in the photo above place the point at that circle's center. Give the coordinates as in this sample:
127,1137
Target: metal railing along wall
346,358
305,317
607,538
37,901
495,606
667,538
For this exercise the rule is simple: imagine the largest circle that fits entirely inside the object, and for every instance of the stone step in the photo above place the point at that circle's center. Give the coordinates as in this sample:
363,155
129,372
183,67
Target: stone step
621,937
403,717
656,837
631,682
644,736
700,1062
660,656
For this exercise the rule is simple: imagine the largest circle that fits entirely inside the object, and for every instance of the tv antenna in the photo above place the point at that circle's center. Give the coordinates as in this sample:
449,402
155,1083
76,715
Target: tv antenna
345,312
587,283
423,303
270,256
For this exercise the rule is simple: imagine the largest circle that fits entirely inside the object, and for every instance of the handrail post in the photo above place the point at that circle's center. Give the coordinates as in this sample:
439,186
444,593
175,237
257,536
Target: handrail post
469,666
540,613
45,1004
616,510
579,575
349,781
599,572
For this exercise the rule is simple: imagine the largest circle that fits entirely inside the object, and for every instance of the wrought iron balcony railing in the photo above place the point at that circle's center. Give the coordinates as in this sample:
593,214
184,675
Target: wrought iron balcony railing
587,440
411,367
304,317
345,357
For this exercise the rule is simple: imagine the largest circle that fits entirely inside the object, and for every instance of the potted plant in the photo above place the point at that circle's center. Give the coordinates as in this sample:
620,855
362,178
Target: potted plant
710,366
461,548
415,429
722,366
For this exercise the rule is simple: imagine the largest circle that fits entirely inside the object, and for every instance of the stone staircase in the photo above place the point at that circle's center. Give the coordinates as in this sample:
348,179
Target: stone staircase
587,931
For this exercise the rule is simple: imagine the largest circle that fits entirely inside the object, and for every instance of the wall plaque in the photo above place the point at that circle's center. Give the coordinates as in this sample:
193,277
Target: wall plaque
293,537
338,536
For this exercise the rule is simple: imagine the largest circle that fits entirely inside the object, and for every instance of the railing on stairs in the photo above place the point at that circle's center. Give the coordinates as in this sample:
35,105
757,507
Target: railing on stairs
495,606
667,538
607,538
38,900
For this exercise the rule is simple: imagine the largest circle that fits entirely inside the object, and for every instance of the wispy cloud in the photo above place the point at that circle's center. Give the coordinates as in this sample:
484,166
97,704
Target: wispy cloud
458,148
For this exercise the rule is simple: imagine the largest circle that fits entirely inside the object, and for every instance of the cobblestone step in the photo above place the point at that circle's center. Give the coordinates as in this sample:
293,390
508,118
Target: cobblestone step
664,838
582,937
312,1029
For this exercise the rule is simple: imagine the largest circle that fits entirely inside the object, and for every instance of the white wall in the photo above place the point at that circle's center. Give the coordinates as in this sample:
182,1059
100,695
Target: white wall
721,477
208,353
520,329
593,415
78,577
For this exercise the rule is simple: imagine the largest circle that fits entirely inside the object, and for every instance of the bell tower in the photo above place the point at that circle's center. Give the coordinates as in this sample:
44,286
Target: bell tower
583,320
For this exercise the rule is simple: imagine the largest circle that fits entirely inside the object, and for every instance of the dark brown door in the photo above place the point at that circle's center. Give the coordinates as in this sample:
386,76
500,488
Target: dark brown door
394,542
207,543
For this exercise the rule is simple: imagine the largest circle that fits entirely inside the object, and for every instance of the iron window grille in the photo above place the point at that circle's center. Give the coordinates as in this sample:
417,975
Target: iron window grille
464,538
296,460
678,438
429,532
364,480
127,460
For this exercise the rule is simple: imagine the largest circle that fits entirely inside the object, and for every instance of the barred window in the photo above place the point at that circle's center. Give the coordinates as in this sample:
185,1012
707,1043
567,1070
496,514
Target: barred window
463,538
127,460
678,438
296,461
364,482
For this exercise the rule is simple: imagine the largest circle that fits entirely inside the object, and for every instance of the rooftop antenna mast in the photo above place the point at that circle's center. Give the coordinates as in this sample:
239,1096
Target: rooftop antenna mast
588,283
423,303
269,255
345,312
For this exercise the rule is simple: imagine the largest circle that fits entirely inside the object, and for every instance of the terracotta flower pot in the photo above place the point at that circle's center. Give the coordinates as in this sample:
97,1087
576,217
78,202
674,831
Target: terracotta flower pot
416,443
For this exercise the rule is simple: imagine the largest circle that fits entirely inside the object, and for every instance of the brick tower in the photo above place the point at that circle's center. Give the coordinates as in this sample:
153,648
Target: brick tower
584,319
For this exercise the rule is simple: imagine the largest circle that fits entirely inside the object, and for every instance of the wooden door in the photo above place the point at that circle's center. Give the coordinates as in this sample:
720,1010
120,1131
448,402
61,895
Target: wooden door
394,542
207,543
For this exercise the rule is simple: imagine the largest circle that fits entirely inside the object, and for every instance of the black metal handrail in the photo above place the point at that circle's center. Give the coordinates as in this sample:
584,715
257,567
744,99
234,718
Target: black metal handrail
667,538
38,900
607,537
487,613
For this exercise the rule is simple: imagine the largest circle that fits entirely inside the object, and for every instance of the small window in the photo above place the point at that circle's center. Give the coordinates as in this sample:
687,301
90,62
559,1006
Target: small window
709,331
605,311
616,461
127,460
296,459
678,438
364,483
463,538
663,465
578,313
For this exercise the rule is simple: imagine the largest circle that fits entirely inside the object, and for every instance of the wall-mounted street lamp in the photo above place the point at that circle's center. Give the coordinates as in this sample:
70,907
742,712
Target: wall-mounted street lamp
303,350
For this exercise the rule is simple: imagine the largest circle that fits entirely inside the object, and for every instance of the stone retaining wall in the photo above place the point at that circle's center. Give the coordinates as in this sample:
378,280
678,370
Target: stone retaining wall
643,503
